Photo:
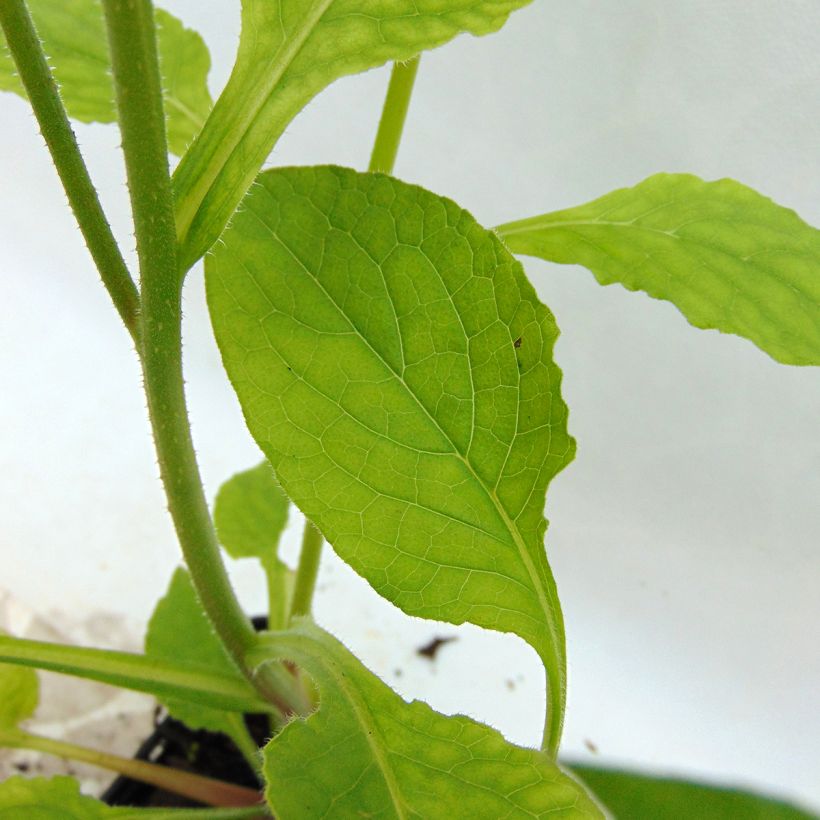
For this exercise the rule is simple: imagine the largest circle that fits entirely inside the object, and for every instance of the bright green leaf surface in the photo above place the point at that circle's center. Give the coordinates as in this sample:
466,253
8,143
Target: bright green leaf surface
59,798
631,796
250,513
289,50
393,759
395,366
74,39
19,694
725,256
179,630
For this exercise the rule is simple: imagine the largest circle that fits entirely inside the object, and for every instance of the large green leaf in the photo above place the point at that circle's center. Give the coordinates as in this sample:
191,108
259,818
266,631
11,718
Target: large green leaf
75,41
289,50
179,630
19,694
250,514
632,796
393,759
59,798
725,256
395,365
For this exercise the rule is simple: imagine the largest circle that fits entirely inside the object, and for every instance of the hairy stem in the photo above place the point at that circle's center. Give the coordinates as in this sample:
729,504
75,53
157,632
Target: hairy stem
394,113
193,786
132,39
307,571
25,48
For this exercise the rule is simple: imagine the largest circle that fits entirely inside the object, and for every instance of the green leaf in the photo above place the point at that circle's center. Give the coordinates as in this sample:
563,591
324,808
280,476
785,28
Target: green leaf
395,366
59,798
138,672
179,630
633,796
725,256
394,759
19,695
250,514
289,50
75,41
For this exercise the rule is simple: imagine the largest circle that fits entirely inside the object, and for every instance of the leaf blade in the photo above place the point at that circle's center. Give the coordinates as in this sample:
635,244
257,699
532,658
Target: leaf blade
75,41
644,797
398,759
411,408
19,695
289,51
727,257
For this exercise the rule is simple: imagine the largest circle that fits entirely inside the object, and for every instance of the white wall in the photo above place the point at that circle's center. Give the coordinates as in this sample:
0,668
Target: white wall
685,535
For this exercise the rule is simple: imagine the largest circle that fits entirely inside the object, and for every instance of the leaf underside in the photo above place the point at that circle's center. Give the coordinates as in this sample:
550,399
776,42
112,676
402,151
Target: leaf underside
644,797
74,39
727,257
180,631
393,759
395,366
289,50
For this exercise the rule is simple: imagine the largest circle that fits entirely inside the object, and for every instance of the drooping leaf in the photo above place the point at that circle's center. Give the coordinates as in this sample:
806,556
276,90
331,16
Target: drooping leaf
393,759
59,798
74,39
727,257
289,50
395,366
180,630
634,796
128,670
250,514
19,694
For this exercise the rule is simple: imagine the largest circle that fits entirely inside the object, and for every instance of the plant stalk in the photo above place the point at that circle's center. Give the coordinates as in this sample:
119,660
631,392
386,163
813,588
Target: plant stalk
35,73
132,40
394,113
309,559
193,786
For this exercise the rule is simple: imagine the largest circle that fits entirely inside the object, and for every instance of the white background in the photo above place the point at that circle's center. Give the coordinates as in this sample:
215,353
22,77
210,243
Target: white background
685,535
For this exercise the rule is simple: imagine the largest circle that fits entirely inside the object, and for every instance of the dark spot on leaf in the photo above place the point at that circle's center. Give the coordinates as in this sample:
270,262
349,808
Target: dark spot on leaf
517,342
431,649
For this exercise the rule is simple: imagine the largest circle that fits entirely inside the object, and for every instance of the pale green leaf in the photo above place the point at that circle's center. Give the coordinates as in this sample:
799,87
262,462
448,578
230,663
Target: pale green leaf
19,694
368,753
727,257
289,50
179,630
59,798
394,364
74,39
634,796
250,514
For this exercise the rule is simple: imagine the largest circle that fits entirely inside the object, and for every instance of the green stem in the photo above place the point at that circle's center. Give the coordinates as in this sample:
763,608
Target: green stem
306,572
132,40
193,786
25,48
137,672
394,113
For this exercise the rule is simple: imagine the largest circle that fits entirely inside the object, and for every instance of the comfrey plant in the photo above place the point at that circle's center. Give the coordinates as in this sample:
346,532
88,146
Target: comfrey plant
396,368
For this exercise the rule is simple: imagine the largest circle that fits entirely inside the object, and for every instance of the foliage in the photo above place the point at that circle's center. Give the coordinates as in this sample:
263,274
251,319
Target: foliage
396,368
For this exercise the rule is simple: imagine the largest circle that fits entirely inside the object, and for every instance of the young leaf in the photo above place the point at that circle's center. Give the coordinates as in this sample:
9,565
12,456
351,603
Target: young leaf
727,257
394,759
643,797
250,513
289,50
395,366
75,41
59,798
179,630
19,695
